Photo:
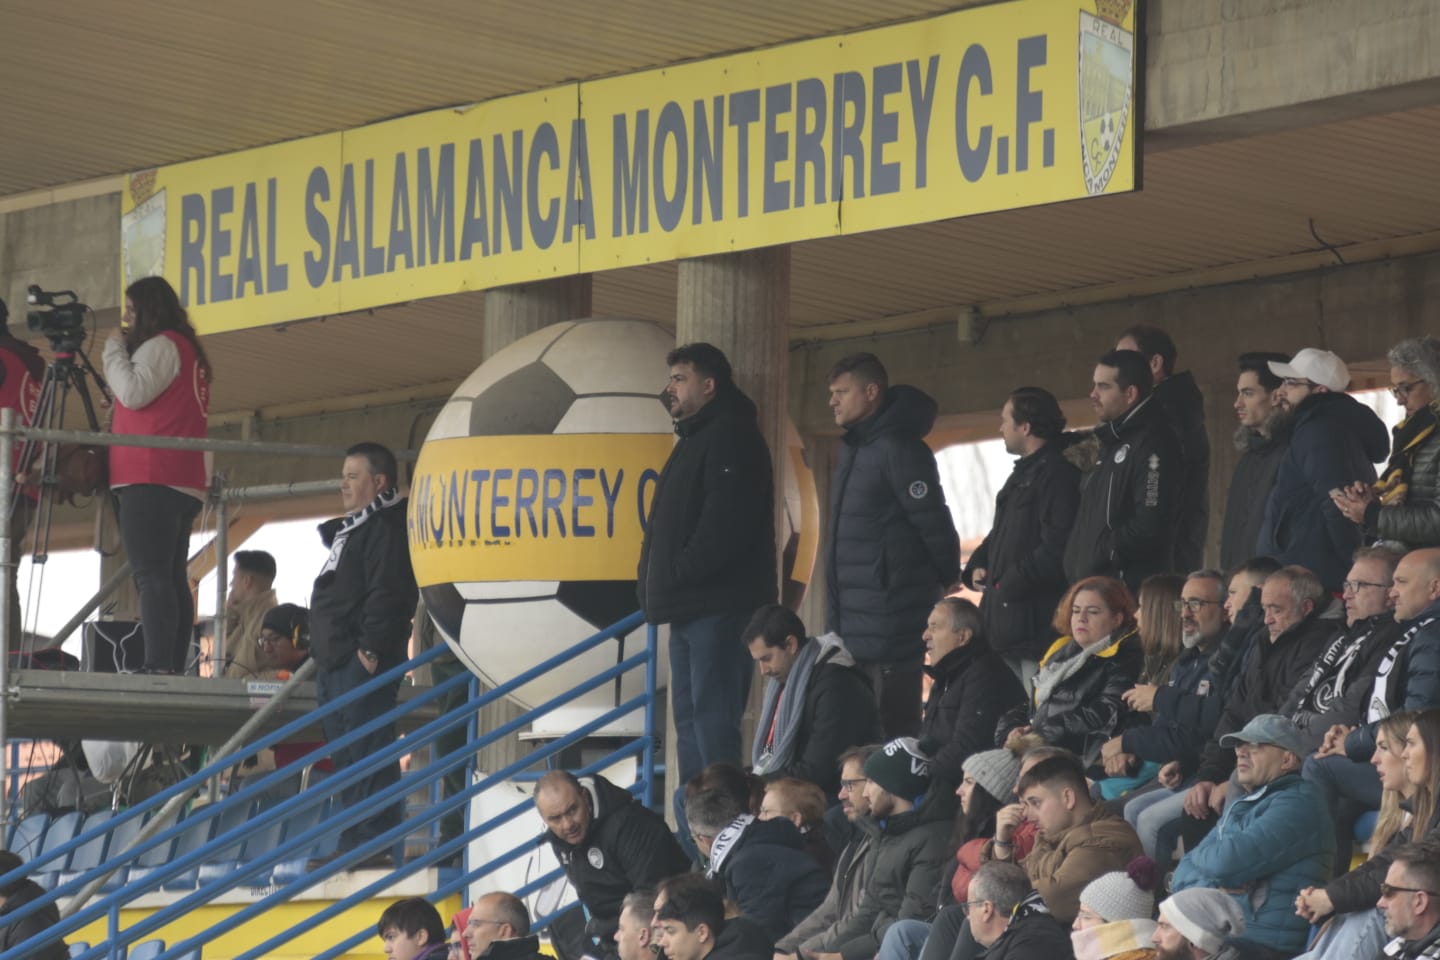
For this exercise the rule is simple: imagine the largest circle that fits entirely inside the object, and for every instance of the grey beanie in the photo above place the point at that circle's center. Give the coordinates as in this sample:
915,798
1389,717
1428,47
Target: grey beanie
1123,894
1205,917
995,770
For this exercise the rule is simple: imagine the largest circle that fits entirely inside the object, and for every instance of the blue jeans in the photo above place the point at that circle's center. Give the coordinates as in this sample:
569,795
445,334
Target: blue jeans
710,673
904,940
330,685
1359,934
1149,812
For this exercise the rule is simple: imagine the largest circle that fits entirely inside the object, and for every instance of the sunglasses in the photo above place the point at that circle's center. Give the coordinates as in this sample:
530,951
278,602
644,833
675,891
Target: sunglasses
1388,891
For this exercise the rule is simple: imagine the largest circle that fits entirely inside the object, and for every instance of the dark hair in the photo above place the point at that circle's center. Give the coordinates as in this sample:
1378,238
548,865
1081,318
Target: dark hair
257,562
1153,342
1427,724
640,902
706,358
380,459
747,789
1115,595
979,820
1059,772
410,916
1422,863
865,367
511,910
859,754
1039,408
772,623
1260,567
157,309
693,900
712,809
1258,362
963,614
1131,370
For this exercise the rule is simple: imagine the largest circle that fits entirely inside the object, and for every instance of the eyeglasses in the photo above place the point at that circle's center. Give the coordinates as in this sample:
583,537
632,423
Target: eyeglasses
476,921
1193,604
1388,891
1353,586
850,786
965,907
1300,382
1402,390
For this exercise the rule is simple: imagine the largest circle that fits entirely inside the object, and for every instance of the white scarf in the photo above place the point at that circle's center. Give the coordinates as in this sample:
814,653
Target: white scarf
386,498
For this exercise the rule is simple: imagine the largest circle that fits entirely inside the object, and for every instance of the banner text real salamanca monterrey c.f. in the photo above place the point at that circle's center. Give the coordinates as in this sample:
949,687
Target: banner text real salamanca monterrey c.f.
1003,106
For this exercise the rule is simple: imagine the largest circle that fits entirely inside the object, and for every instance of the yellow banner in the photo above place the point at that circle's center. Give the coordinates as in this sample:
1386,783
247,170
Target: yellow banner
561,507
1002,106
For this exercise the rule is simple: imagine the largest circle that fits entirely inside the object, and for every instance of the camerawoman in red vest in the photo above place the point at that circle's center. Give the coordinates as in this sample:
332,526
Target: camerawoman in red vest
161,380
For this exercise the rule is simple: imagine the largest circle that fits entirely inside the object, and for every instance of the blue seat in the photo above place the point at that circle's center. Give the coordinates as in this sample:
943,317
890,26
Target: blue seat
265,838
61,831
195,834
288,871
91,853
27,836
147,950
78,948
227,821
121,839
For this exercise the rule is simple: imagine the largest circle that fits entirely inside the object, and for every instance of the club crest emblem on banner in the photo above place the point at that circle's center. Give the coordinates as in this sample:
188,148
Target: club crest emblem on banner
1106,89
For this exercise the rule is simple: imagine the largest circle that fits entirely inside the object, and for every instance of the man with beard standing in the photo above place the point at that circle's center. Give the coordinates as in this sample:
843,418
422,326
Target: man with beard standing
1179,397
1019,565
1260,451
893,546
1130,501
1334,441
708,558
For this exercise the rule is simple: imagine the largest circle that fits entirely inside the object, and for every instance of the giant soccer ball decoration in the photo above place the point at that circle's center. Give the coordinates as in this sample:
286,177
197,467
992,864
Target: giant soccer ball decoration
528,504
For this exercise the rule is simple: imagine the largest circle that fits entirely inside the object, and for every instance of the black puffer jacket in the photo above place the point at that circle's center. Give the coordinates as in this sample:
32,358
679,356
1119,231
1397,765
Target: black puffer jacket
1085,709
1130,502
1334,442
893,546
1033,934
769,873
367,601
1416,521
710,540
742,939
971,690
1249,490
1185,408
13,934
1360,888
1023,555
628,846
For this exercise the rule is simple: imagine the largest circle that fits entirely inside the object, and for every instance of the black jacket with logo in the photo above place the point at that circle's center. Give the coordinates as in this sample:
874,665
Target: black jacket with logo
367,602
893,546
710,540
1023,555
627,847
1130,502
970,691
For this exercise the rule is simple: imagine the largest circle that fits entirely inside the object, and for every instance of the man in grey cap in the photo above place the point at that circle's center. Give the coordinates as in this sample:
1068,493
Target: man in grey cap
1270,843
1334,441
1199,924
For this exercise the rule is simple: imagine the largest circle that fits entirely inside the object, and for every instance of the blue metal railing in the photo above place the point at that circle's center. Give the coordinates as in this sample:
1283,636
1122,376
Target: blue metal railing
110,904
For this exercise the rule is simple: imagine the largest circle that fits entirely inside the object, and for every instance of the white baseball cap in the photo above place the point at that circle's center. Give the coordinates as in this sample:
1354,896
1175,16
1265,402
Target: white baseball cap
1317,366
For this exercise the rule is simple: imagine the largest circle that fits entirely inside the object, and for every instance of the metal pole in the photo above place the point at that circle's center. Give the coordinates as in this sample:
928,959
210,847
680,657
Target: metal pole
193,443
7,597
158,821
108,587
222,584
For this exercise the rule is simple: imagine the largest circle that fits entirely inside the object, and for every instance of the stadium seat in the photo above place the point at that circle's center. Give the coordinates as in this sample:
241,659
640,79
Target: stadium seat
60,832
265,838
146,950
25,839
162,853
78,948
121,839
89,854
287,871
227,821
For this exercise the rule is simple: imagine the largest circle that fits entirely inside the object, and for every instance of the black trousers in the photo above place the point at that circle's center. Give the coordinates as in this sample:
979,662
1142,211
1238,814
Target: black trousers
330,684
155,525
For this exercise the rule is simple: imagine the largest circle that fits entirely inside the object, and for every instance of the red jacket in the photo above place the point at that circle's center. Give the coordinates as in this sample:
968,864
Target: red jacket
181,410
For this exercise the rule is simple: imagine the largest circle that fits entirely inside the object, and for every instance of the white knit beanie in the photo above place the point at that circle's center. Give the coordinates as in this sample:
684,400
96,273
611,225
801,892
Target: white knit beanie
1123,894
1205,917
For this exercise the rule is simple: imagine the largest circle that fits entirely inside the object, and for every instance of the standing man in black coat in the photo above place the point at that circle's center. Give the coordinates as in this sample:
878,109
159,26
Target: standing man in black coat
971,688
1261,448
893,548
1020,564
708,559
817,703
1184,406
360,612
1129,513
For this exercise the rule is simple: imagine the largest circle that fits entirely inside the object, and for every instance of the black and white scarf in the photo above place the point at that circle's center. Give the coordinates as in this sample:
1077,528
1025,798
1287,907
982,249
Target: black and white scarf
386,499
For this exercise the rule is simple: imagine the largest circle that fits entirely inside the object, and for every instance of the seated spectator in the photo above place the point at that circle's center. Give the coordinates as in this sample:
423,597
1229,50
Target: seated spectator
608,843
1403,506
1079,689
498,928
802,803
1184,704
988,787
747,789
1270,843
250,597
1243,593
1199,924
762,863
1410,901
1114,922
909,822
1076,840
816,933
817,702
691,922
15,895
971,687
1157,621
632,935
459,946
1407,678
1009,920
411,929
1408,798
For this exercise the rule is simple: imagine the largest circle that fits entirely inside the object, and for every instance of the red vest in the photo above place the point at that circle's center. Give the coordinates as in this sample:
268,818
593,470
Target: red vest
181,410
21,372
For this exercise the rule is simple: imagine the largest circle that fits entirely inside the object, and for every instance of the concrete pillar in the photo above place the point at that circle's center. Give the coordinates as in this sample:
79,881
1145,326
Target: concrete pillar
822,450
740,302
514,312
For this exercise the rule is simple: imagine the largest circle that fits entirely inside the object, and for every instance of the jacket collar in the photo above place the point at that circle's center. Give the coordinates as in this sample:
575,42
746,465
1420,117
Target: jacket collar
1111,648
955,662
1113,431
511,949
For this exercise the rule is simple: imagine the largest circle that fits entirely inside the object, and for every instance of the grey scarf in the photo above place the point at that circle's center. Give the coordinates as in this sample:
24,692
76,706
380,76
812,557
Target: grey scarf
789,699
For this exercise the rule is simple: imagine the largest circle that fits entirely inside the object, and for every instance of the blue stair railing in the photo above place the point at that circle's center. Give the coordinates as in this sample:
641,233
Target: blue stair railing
257,870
